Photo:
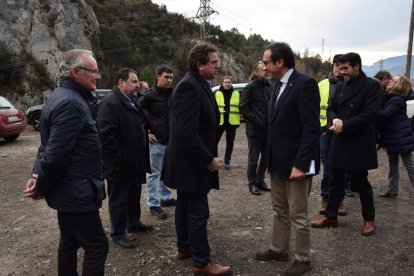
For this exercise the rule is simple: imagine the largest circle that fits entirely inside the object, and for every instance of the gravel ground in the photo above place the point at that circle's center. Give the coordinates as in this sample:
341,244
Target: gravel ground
239,225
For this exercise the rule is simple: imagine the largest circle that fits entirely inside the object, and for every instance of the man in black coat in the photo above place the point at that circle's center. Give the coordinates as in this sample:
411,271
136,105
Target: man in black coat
68,170
253,105
352,115
121,123
294,130
156,102
191,161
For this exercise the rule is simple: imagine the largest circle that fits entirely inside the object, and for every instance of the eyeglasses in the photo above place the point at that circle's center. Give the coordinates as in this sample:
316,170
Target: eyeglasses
93,71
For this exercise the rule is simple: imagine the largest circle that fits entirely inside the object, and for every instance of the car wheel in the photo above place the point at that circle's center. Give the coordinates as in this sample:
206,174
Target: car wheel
11,138
36,121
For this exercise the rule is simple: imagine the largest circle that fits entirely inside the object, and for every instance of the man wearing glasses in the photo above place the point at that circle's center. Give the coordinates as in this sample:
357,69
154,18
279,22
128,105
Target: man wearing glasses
293,156
68,170
253,105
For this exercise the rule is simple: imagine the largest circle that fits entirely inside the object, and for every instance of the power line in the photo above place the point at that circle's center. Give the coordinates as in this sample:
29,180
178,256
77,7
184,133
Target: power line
101,53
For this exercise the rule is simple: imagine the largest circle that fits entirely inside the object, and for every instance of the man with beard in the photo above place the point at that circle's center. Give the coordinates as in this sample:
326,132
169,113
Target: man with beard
124,135
253,105
352,115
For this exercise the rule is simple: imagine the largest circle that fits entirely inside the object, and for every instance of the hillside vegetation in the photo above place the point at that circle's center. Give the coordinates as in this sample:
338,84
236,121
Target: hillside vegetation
137,34
142,35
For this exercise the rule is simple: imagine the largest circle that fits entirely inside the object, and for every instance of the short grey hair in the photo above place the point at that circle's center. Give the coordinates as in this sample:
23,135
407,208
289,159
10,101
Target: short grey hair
73,58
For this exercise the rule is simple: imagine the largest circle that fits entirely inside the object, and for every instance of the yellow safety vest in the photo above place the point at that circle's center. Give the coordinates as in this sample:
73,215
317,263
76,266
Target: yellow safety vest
234,116
324,95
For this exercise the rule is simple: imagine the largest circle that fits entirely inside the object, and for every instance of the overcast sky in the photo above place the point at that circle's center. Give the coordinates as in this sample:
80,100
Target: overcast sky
375,29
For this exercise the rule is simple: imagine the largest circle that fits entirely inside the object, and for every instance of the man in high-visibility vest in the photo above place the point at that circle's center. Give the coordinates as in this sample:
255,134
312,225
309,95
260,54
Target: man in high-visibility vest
327,88
228,103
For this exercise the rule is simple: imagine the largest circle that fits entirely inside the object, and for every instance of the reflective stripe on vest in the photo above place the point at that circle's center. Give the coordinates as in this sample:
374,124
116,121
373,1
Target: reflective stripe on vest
234,115
324,94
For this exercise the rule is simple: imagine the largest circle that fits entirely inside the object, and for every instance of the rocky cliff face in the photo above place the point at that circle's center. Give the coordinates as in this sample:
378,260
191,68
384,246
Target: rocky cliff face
47,28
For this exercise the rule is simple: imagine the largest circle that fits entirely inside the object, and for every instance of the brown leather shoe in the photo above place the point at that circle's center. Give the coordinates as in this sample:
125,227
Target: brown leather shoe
324,222
297,268
369,228
271,255
212,270
183,255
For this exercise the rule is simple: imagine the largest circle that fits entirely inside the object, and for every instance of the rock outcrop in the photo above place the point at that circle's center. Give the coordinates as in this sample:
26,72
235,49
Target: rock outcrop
45,29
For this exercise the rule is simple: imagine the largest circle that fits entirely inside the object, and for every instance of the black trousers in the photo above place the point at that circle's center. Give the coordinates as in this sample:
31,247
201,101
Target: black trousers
359,183
230,135
124,206
256,170
191,216
81,230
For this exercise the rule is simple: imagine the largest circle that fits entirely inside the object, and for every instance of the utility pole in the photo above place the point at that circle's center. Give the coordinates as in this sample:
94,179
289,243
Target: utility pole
203,15
410,44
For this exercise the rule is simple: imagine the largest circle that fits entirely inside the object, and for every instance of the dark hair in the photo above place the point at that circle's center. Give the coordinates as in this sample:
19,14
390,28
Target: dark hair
335,59
163,68
199,53
383,74
123,74
352,58
282,50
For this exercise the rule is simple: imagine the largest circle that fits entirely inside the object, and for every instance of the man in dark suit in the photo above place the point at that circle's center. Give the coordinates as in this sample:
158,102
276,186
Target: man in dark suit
191,159
293,156
121,123
253,105
68,169
352,115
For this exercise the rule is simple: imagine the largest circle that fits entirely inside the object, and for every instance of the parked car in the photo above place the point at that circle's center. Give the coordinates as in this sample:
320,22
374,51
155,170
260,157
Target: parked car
12,121
33,113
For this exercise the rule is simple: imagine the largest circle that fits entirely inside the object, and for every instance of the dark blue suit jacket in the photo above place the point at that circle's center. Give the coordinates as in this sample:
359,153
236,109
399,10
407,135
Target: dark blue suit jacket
294,126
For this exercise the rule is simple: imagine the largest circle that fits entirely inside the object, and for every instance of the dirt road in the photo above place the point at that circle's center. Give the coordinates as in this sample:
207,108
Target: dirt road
239,225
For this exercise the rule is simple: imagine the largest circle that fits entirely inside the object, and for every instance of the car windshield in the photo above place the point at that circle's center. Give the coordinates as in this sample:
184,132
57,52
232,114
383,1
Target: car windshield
4,104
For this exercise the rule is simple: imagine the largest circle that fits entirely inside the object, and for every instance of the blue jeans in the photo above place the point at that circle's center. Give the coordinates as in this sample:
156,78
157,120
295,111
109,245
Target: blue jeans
394,174
155,185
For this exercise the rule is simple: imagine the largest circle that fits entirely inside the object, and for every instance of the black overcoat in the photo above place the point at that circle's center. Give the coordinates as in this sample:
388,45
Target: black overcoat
193,137
124,138
357,103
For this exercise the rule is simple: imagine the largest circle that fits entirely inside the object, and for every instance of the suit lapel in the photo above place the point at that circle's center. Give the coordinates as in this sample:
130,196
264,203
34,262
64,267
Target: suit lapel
208,92
284,95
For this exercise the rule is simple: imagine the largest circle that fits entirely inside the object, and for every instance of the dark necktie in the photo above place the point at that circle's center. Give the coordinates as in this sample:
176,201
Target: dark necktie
276,94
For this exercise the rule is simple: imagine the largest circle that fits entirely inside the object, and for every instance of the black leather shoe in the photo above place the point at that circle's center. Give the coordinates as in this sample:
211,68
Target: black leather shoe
253,189
262,186
140,228
124,242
